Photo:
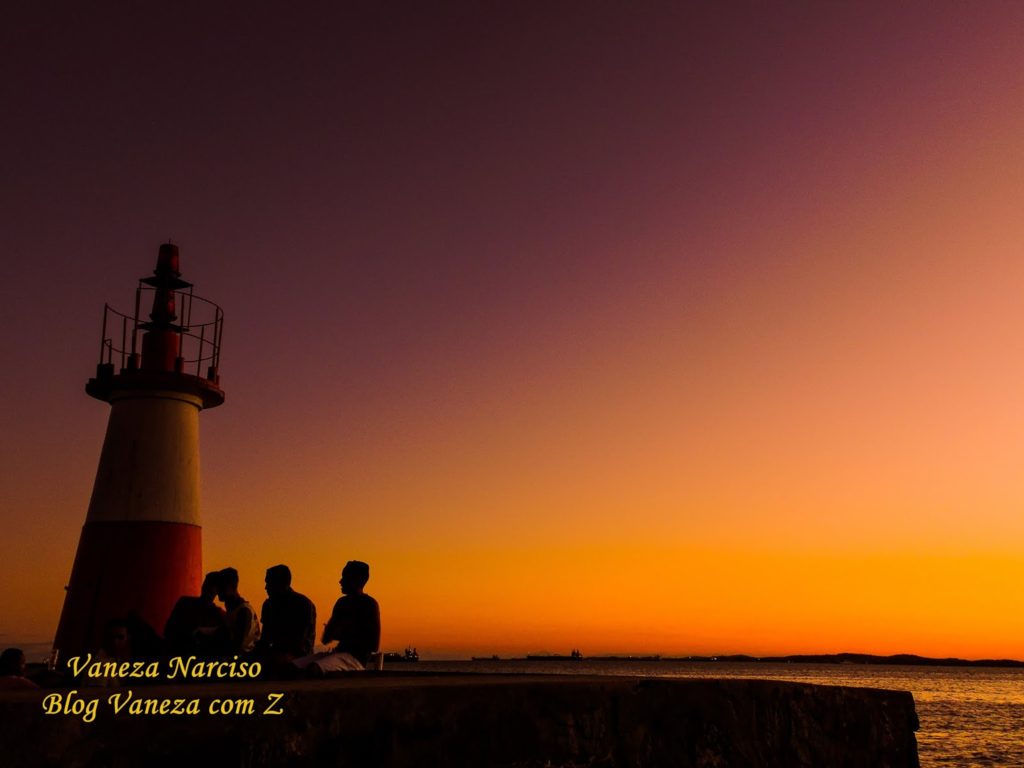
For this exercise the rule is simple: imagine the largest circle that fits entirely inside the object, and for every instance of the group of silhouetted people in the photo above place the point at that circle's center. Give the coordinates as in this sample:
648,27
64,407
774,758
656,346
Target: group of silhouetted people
281,637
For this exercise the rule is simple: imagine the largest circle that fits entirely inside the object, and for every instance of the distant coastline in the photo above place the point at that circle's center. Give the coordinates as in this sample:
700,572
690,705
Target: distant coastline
36,652
900,659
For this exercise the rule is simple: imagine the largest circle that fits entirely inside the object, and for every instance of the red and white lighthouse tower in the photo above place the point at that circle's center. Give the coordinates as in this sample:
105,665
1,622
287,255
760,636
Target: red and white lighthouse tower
141,545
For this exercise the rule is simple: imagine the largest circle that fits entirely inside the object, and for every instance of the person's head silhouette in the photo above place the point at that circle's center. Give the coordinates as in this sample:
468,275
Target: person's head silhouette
12,663
211,586
354,576
279,580
227,584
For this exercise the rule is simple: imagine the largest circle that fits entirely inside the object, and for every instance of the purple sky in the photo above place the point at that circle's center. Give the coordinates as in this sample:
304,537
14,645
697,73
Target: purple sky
422,220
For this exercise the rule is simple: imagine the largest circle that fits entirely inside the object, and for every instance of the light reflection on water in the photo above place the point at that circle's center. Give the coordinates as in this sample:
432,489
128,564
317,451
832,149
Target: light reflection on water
970,716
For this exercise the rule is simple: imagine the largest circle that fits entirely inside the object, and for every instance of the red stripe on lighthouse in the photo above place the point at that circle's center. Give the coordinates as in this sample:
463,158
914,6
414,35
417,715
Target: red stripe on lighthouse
127,566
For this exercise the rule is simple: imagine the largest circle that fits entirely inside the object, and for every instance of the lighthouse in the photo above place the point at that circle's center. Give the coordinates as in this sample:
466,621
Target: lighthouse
141,546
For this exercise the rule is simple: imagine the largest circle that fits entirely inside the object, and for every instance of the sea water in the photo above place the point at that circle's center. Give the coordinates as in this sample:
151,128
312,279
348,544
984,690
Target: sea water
970,716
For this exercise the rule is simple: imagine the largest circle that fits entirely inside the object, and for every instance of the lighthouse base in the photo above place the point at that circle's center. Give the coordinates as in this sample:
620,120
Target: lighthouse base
127,566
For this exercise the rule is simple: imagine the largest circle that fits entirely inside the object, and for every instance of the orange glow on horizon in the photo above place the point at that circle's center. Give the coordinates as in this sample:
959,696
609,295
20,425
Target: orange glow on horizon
773,409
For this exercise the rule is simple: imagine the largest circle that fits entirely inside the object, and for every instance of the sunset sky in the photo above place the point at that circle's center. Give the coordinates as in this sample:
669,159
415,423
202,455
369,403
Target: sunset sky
633,327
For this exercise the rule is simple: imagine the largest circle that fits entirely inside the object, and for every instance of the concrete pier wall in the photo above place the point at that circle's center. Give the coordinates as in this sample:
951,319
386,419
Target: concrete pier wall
487,720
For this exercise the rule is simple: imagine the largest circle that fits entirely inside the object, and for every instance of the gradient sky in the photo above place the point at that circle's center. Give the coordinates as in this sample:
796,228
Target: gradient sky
674,328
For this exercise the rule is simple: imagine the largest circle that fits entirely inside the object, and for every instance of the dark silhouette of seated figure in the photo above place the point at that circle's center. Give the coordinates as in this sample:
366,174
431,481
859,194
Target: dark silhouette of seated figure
12,671
288,617
130,639
241,630
116,647
355,620
146,643
117,641
354,624
192,626
125,640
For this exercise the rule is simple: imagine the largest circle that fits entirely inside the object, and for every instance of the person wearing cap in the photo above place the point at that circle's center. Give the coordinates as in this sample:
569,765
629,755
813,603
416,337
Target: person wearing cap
354,625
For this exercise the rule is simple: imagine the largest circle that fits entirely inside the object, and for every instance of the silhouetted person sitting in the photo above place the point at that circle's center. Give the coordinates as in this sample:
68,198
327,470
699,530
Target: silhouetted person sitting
354,623
117,641
127,639
289,619
146,643
194,621
12,671
117,647
241,628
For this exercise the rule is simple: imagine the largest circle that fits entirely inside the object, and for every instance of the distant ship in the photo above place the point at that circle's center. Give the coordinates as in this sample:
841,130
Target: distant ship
495,657
576,655
410,654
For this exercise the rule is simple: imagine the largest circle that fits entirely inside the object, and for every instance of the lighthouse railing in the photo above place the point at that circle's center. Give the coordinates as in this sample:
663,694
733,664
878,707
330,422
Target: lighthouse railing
200,332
